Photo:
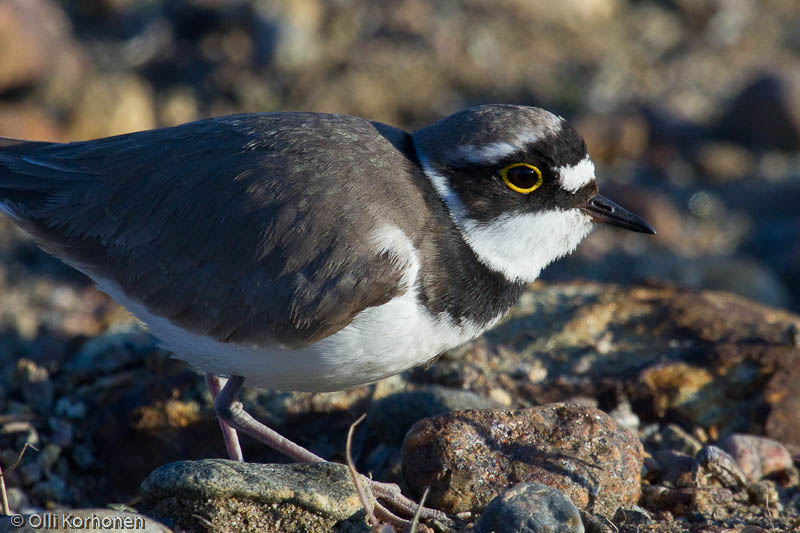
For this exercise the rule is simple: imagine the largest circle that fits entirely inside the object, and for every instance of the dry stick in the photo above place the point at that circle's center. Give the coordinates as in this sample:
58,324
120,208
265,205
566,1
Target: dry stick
3,493
380,510
355,475
415,520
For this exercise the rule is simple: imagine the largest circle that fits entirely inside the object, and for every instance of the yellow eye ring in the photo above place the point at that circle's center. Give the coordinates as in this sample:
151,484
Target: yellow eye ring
517,188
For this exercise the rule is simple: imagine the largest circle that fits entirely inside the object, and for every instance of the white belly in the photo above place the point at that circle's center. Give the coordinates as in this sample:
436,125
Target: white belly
379,342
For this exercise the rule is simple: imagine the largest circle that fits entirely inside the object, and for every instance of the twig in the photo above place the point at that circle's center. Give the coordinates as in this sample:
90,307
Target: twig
415,520
362,495
3,492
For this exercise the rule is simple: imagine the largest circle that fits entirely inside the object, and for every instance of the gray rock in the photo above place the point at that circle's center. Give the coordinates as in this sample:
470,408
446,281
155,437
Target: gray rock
714,464
121,345
530,508
254,497
391,417
765,114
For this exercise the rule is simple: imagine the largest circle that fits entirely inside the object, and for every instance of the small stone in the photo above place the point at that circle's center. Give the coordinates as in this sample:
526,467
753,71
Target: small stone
765,114
112,105
83,456
709,501
714,463
757,456
624,415
632,516
763,493
672,437
530,508
48,456
468,457
70,408
121,345
37,388
597,524
53,489
29,473
299,496
725,161
676,468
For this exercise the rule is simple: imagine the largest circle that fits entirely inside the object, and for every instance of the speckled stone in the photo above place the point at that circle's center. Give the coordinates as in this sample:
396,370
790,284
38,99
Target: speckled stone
469,457
231,496
530,508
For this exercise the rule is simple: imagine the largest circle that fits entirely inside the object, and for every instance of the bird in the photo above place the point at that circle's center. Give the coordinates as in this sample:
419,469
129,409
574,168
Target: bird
309,251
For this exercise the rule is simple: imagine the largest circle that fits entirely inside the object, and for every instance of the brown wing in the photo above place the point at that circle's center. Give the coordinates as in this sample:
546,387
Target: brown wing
249,228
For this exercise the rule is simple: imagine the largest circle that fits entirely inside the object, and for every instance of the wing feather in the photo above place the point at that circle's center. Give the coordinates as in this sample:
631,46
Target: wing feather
248,228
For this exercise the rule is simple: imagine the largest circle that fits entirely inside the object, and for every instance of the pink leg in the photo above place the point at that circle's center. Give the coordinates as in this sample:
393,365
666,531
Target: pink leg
229,435
233,414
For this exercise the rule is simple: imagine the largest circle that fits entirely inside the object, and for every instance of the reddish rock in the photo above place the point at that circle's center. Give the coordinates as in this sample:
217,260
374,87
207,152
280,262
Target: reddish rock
757,456
469,457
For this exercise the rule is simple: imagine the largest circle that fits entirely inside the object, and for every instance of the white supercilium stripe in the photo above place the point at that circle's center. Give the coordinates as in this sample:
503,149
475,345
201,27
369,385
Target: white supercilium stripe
574,177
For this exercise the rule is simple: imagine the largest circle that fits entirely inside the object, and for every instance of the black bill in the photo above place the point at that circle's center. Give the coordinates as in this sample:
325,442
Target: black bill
604,211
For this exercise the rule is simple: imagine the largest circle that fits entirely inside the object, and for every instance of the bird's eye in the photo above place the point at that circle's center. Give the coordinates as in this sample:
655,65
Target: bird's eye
522,177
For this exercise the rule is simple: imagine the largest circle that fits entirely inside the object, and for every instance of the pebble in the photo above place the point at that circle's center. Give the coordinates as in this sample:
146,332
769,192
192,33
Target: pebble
676,468
757,456
120,345
530,508
48,456
715,464
467,458
632,516
672,437
314,496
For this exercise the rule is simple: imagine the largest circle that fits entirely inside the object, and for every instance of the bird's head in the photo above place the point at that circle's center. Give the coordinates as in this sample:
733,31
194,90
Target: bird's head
519,184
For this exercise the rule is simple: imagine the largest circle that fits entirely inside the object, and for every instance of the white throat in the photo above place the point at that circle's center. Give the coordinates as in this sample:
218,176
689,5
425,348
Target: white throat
521,245
517,245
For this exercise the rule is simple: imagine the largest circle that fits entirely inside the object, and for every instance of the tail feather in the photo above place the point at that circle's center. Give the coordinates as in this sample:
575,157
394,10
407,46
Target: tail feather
20,180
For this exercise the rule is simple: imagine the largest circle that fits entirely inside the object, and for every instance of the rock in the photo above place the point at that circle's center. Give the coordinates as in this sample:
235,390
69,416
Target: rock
674,438
112,105
119,346
34,36
675,468
530,508
714,464
109,520
609,137
280,498
27,122
391,417
758,457
765,114
764,493
725,161
632,517
703,500
699,358
468,457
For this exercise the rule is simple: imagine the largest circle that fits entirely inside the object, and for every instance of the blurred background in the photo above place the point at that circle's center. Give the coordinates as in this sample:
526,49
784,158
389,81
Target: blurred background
690,108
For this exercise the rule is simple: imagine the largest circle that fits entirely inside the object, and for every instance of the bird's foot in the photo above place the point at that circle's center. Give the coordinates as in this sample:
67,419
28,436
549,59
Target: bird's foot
391,494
